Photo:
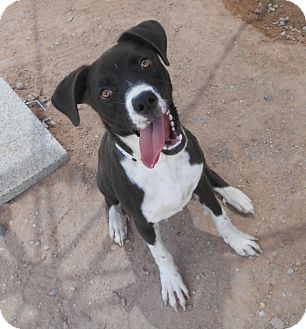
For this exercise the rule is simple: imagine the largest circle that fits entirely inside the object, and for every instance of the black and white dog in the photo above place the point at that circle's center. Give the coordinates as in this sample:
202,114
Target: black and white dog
149,164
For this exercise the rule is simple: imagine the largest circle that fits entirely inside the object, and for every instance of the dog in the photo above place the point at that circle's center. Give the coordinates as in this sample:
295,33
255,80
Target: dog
149,165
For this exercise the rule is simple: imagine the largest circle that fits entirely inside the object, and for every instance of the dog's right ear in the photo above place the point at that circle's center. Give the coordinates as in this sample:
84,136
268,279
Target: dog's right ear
70,92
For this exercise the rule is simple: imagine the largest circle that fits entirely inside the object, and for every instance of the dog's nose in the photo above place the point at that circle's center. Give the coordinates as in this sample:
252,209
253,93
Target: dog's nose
144,102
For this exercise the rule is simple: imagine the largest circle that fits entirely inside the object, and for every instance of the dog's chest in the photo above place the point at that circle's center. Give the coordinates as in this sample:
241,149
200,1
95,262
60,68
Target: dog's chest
167,187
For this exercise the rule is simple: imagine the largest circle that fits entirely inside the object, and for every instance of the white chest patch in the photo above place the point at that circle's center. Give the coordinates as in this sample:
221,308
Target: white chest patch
167,187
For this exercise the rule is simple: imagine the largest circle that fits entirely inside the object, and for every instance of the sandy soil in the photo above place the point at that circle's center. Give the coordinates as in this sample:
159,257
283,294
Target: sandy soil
241,93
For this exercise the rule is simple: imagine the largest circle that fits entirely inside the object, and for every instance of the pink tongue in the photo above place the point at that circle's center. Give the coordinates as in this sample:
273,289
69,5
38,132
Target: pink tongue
151,142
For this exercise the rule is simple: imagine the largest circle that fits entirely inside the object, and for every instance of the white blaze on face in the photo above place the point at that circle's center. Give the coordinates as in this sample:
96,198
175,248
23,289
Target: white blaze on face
139,120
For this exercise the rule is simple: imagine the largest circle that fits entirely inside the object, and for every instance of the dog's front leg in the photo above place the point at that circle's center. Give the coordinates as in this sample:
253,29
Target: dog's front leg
243,243
172,285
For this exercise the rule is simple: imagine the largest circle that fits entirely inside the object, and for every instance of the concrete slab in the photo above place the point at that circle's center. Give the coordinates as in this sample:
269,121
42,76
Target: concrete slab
28,152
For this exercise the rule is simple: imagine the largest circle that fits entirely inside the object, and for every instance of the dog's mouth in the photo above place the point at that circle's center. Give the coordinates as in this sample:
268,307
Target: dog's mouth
163,134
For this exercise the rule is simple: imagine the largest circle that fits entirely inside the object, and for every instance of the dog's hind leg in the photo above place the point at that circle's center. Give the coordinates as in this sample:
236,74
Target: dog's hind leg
243,243
172,285
230,194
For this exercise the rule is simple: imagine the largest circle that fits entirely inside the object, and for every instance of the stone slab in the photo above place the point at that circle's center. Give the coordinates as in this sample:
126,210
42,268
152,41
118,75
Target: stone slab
28,152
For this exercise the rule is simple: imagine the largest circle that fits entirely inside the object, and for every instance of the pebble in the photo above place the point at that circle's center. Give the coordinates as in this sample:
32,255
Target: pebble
261,313
275,6
46,248
270,5
3,231
258,11
69,18
304,29
272,9
290,271
283,34
268,98
277,323
281,23
53,292
19,85
114,247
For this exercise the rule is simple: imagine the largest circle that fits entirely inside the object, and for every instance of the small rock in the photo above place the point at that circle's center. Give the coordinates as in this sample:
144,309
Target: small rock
277,323
3,231
258,11
270,5
268,98
53,292
281,19
275,6
287,19
198,277
261,313
290,271
69,18
272,9
262,305
46,248
304,29
123,301
19,85
281,23
114,247
283,34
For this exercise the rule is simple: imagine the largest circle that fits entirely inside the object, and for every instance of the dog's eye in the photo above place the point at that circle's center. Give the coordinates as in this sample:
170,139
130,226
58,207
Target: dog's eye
145,63
106,93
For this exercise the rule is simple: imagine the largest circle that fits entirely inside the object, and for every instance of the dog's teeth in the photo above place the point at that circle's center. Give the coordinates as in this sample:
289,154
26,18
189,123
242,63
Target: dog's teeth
172,123
180,137
173,129
170,116
168,112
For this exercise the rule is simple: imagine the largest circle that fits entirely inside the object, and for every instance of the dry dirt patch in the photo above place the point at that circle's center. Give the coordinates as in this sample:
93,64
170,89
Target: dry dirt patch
269,21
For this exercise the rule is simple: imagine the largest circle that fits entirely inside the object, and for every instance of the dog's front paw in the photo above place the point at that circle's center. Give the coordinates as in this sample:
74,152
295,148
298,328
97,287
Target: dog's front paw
243,243
236,198
173,287
117,225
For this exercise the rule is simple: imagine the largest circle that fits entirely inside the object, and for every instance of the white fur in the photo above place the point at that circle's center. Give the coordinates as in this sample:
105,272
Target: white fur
117,224
139,120
171,281
236,198
167,187
243,243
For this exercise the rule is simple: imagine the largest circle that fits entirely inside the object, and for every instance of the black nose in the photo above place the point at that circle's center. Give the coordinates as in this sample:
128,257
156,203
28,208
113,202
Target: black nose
144,102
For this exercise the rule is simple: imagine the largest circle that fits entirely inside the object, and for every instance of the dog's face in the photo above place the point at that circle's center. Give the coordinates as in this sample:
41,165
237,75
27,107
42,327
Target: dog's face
131,90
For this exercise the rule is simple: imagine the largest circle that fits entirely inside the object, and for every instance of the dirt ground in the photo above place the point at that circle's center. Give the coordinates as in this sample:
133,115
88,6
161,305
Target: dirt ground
241,92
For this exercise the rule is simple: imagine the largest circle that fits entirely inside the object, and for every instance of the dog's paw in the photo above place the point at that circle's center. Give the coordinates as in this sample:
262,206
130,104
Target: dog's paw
117,225
173,287
236,198
243,243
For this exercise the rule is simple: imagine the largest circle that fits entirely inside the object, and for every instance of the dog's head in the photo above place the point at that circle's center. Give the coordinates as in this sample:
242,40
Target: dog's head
131,90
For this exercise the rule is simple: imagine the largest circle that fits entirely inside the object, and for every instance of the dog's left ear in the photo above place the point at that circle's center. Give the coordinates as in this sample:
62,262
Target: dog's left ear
152,34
